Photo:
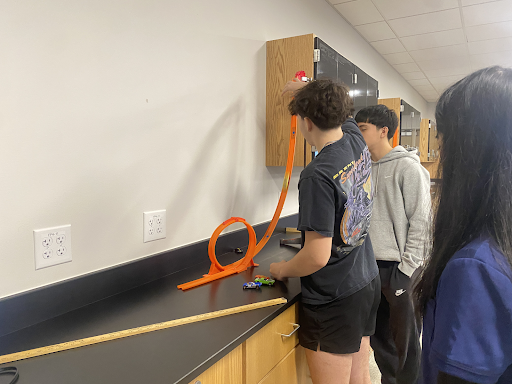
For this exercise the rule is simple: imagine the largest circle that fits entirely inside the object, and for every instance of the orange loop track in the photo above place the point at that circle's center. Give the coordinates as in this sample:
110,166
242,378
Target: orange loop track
218,271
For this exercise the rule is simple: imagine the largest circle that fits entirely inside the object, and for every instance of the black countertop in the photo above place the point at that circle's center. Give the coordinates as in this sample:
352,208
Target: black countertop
174,355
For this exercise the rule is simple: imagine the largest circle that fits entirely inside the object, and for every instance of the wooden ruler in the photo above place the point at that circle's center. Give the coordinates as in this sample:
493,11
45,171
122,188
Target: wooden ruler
135,331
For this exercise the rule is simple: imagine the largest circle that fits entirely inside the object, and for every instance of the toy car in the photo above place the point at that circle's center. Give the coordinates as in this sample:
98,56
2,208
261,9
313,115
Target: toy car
252,285
264,280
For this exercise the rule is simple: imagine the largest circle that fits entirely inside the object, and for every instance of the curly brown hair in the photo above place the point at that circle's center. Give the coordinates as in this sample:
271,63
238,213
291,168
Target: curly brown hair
325,102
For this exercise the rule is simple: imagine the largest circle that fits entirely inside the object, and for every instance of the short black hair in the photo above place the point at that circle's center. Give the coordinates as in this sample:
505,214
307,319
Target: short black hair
380,116
325,102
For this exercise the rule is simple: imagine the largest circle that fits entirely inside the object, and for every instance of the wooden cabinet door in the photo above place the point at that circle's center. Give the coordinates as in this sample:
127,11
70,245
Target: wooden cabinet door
285,57
424,133
265,349
226,371
395,105
293,369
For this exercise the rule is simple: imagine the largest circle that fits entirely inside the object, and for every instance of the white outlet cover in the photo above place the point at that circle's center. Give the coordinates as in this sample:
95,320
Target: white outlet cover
52,246
155,227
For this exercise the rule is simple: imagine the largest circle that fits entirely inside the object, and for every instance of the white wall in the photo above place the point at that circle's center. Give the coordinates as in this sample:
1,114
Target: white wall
431,111
111,108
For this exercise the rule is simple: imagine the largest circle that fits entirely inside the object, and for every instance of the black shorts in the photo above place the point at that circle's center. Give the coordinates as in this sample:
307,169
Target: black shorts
339,326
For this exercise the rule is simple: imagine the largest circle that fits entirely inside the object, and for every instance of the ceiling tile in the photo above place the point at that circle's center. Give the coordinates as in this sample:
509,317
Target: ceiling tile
425,88
488,13
359,12
441,88
440,52
473,2
376,31
440,63
394,9
433,92
388,46
430,96
451,71
444,81
334,2
413,75
430,22
435,39
476,66
419,82
489,31
408,67
489,46
398,58
494,58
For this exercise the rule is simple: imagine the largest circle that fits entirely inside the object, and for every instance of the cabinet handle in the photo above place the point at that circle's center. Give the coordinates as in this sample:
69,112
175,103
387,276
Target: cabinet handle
296,327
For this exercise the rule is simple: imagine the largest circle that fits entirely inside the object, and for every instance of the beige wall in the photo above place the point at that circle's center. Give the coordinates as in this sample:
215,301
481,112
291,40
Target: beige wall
111,108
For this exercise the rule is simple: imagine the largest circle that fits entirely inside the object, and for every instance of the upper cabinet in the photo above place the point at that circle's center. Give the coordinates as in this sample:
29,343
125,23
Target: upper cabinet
409,122
330,64
410,126
429,147
285,57
308,53
396,105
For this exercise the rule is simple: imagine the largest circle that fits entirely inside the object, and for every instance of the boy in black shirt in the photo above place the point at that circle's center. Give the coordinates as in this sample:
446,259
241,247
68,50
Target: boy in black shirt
339,275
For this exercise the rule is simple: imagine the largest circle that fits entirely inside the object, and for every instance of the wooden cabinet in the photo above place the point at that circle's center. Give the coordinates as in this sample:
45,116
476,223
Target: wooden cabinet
395,105
284,58
425,139
429,147
308,53
408,133
293,369
410,123
267,347
226,371
272,355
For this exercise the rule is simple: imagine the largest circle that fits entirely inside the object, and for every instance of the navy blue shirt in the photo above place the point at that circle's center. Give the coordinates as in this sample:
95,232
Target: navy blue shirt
336,200
467,329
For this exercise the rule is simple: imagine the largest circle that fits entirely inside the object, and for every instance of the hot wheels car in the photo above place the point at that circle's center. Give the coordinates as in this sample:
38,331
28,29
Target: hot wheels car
264,280
252,285
265,277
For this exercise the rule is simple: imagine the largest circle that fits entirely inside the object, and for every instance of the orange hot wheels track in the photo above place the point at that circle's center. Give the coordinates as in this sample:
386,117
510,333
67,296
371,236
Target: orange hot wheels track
218,271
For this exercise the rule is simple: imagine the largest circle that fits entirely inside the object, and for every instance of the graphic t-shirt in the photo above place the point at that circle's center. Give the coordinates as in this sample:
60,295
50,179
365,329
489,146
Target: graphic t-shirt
467,328
335,200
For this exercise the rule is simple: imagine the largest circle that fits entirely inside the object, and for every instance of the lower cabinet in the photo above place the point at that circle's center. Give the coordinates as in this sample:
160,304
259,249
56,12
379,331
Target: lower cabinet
226,371
272,355
293,369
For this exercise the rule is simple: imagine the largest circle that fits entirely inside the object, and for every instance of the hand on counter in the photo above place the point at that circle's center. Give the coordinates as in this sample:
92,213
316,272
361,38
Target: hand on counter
312,257
276,270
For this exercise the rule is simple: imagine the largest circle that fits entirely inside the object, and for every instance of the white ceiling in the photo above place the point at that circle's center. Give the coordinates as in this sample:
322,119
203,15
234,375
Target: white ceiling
433,43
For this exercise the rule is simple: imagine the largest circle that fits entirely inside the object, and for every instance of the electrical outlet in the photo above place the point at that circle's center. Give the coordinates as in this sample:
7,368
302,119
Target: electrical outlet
154,225
52,246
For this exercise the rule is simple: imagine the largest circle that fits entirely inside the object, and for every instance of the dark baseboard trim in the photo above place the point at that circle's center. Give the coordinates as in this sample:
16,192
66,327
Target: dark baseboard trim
37,305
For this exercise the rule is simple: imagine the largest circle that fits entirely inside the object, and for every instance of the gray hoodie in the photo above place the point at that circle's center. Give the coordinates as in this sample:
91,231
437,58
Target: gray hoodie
401,209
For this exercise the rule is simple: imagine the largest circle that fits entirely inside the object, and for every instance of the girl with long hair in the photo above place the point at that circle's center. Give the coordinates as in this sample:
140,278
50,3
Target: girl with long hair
465,292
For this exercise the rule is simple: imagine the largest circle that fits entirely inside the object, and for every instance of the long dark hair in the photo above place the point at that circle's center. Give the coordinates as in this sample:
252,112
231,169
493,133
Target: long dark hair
474,120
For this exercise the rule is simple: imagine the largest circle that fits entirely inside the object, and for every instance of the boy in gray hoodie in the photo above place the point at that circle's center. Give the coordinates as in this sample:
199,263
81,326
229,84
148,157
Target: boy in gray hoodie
398,230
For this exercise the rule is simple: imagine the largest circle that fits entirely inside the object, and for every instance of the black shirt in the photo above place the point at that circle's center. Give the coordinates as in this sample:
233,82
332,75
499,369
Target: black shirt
335,200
